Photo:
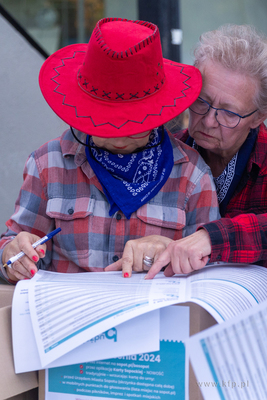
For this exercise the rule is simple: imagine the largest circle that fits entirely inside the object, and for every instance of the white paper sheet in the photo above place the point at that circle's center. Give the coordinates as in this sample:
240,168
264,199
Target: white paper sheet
230,359
69,309
161,375
143,331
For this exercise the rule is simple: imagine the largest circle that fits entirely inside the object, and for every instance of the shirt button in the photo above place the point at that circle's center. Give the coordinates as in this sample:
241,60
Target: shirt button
70,211
115,258
118,217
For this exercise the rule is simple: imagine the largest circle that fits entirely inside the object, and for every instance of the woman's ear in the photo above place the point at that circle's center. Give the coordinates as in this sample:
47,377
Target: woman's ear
258,119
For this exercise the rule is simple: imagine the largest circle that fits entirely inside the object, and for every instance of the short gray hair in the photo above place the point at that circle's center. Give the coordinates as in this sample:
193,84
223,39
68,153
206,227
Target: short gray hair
238,48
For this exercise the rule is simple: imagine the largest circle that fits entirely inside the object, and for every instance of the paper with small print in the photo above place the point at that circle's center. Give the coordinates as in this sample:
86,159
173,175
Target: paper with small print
230,359
161,375
69,309
144,331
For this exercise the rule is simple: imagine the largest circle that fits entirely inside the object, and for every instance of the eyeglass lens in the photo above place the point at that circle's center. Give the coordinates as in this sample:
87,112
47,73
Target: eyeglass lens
223,117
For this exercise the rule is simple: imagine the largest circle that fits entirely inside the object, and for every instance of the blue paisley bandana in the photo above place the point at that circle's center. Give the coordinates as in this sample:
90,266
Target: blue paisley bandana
131,180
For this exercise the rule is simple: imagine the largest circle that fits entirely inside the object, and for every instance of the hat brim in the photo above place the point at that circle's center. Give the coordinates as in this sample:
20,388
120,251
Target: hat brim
59,85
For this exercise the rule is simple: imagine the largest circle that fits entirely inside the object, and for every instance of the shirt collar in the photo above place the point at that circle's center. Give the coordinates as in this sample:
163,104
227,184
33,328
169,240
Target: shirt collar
179,155
70,146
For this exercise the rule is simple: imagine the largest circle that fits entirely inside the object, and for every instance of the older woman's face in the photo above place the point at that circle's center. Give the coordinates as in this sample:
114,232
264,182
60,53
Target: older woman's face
231,91
123,145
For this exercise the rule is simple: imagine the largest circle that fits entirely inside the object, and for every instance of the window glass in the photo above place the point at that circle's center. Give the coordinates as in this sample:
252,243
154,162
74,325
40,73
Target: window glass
56,23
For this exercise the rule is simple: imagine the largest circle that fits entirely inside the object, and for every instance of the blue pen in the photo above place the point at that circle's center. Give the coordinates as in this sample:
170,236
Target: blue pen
34,245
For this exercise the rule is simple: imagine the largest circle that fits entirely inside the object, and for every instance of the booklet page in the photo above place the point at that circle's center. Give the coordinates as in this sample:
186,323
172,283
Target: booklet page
225,290
143,330
230,359
69,309
161,375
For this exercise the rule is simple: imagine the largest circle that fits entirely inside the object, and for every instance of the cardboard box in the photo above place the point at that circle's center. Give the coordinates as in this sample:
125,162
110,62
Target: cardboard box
200,319
41,385
12,386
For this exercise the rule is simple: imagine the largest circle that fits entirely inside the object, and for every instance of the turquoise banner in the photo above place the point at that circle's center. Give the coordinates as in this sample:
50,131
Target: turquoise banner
157,376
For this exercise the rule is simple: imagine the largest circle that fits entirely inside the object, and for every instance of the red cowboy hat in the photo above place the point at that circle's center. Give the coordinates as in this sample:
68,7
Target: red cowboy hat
118,84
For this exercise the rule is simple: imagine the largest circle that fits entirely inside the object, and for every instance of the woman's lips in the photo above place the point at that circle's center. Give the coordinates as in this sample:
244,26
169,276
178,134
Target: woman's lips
205,134
120,148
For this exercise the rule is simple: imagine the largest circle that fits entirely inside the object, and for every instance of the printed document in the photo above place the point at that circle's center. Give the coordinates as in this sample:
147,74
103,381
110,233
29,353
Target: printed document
230,359
161,375
143,331
67,310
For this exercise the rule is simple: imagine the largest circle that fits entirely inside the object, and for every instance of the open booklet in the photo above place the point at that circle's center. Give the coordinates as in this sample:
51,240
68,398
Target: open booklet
69,309
143,331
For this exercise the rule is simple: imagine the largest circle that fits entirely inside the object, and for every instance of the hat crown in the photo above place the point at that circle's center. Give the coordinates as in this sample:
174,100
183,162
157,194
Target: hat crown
123,61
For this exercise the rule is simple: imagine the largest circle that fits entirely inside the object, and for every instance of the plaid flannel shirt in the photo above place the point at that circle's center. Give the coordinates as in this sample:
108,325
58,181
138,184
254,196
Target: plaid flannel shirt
60,189
241,236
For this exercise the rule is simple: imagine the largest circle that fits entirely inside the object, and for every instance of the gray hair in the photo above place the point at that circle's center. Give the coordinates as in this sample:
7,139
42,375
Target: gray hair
238,48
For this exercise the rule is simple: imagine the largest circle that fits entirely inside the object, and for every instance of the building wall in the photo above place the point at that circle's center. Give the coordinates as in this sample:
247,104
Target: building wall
198,16
26,120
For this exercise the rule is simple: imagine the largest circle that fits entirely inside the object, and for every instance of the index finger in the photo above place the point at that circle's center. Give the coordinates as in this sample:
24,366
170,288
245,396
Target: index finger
127,261
163,260
116,266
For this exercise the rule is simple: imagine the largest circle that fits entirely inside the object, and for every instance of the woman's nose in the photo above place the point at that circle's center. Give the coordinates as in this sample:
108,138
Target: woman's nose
210,119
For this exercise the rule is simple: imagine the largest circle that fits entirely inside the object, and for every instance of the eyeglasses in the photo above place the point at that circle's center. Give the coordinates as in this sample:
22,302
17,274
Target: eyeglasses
226,118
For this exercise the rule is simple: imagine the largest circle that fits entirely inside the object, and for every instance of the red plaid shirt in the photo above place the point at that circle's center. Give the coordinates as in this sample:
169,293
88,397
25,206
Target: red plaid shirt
241,236
60,189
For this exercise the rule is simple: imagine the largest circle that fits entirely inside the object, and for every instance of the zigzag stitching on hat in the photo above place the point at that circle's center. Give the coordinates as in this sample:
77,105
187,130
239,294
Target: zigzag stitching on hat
129,120
60,66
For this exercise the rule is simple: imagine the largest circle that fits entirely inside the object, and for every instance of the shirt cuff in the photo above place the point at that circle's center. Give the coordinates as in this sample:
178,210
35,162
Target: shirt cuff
220,246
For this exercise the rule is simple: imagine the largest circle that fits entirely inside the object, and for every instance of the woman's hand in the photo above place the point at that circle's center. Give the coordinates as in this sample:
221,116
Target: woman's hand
183,256
24,267
136,250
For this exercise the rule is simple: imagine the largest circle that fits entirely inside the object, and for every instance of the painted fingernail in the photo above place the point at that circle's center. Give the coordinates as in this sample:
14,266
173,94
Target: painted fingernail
35,258
42,251
32,272
126,275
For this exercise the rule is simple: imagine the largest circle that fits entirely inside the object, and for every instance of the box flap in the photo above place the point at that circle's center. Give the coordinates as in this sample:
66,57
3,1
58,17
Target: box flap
6,295
11,384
